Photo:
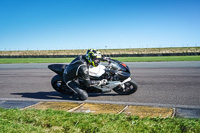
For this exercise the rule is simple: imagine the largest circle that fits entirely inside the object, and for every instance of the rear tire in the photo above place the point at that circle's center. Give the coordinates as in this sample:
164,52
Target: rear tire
59,85
130,88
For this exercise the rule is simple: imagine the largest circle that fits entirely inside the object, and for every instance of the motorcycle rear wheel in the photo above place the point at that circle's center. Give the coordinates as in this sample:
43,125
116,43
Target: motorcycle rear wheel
59,85
130,88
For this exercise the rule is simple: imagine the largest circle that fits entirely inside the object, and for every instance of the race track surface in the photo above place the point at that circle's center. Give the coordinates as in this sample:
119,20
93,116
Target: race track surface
172,84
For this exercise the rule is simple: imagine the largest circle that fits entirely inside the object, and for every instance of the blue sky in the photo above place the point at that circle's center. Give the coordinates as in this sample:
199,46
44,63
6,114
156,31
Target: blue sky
83,24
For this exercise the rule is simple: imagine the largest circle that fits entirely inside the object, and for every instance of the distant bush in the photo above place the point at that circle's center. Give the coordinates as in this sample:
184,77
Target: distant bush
137,52
103,51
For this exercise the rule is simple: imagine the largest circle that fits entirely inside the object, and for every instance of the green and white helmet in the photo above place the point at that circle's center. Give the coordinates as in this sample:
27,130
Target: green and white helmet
93,56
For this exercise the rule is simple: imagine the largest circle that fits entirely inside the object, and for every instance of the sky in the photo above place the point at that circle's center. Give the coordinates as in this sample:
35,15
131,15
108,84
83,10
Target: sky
99,24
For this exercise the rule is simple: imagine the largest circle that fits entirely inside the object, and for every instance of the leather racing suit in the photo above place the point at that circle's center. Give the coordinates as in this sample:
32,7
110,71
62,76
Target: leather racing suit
78,68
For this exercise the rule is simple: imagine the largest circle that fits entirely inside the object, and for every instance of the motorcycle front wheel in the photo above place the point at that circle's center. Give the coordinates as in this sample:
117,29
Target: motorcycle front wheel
59,85
130,88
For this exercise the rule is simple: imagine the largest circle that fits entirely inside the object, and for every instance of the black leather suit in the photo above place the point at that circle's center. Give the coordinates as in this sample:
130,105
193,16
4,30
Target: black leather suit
78,68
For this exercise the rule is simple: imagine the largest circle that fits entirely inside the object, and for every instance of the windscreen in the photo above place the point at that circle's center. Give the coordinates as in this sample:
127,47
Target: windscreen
116,66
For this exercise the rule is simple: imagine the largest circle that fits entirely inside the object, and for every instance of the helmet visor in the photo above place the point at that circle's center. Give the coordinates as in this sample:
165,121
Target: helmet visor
96,61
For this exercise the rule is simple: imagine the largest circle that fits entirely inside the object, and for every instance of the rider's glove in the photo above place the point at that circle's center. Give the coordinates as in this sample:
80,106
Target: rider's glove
103,82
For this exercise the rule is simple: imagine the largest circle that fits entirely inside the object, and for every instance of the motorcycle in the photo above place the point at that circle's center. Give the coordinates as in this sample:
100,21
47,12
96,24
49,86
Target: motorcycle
115,72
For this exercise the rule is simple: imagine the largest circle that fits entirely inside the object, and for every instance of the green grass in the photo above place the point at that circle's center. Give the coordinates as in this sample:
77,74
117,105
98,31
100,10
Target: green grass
35,60
51,121
158,58
122,59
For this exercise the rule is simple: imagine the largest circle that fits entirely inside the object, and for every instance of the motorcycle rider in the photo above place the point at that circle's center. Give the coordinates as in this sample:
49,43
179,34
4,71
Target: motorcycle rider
79,68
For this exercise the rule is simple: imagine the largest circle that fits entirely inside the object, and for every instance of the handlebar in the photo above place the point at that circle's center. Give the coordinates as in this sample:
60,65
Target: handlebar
105,59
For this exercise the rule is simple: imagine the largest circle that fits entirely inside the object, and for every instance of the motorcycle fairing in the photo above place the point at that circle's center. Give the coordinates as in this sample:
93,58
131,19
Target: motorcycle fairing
97,71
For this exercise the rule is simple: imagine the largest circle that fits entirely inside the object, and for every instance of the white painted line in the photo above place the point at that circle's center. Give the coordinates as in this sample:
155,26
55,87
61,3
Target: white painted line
75,108
123,109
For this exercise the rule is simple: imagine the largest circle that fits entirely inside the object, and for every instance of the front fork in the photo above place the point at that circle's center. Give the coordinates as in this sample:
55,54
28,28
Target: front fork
126,80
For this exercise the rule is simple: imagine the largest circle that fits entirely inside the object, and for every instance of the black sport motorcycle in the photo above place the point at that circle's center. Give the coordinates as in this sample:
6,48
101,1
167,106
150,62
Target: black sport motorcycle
117,75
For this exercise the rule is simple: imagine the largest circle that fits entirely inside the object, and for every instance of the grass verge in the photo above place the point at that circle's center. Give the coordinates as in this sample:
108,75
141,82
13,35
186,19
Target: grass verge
15,120
122,59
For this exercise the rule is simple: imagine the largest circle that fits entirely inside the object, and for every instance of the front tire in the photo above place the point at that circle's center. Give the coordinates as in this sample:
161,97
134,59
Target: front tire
59,85
130,88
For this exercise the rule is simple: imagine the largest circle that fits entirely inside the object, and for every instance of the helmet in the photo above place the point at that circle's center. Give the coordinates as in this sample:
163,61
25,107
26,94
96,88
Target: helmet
93,56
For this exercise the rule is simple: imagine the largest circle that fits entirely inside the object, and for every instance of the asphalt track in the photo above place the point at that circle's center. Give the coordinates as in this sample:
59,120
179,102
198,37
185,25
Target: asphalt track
163,84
